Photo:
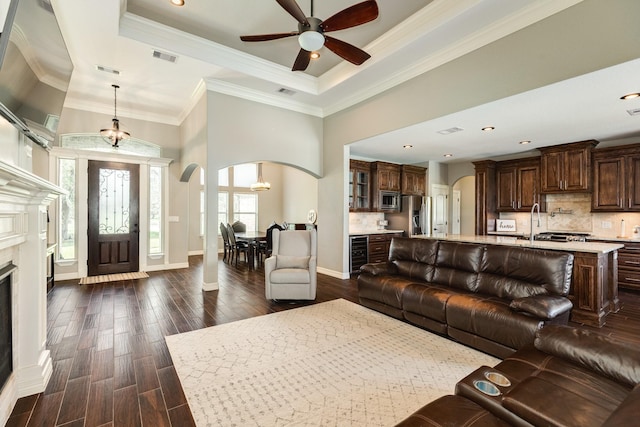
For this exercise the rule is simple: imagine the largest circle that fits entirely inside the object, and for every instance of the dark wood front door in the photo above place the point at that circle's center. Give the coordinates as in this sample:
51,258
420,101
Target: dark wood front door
113,217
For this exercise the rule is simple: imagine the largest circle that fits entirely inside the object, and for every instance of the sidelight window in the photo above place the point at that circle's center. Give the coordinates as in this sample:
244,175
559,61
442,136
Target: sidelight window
155,210
67,210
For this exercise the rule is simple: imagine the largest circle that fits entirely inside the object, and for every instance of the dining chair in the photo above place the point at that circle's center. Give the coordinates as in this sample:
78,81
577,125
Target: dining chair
239,227
225,241
264,247
237,247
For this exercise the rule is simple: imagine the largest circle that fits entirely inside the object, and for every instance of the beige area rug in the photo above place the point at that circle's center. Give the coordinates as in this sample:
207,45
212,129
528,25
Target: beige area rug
329,364
91,280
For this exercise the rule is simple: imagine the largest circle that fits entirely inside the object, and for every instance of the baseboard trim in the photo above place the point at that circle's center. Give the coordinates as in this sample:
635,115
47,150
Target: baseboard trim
333,273
161,267
210,286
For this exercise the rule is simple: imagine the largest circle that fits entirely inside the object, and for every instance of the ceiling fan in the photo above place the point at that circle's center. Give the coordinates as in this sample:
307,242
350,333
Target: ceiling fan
311,32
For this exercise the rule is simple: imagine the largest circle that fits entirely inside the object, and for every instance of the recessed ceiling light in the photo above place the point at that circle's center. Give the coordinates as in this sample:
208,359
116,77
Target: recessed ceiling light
630,95
314,55
407,146
448,155
177,2
488,128
524,142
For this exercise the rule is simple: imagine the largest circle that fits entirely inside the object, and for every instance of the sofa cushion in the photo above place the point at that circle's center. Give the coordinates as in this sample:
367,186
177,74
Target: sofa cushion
543,306
419,250
413,258
290,261
545,403
386,289
491,318
427,300
587,384
290,275
514,272
457,265
605,355
452,411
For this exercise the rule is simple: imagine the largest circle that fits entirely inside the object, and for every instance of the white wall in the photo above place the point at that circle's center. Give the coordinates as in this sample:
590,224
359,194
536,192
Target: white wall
549,51
300,194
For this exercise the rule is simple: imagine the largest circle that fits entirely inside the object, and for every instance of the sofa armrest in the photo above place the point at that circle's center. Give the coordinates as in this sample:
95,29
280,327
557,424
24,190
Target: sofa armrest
378,268
543,306
614,358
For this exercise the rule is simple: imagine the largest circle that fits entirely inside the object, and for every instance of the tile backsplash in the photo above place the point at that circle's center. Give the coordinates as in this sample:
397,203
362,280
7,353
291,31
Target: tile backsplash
364,221
572,212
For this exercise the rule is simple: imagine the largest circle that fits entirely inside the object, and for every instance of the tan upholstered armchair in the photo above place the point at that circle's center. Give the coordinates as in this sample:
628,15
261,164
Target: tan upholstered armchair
290,271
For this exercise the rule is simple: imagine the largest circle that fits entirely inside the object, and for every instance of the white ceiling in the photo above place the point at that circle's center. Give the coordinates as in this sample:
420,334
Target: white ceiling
409,37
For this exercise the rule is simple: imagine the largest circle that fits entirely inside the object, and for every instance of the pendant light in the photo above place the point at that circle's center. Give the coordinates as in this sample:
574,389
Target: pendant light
114,134
261,185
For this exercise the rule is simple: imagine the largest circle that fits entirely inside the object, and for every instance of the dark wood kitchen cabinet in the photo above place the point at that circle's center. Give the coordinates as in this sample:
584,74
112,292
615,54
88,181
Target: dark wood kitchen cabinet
616,179
567,167
486,213
629,266
379,245
518,185
413,180
386,176
359,186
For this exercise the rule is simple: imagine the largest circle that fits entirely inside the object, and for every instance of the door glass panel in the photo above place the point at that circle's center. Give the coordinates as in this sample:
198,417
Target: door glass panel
113,215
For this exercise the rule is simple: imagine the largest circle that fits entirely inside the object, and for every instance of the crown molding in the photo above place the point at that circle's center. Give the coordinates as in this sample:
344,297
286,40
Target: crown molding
414,27
97,107
499,29
18,37
155,34
231,89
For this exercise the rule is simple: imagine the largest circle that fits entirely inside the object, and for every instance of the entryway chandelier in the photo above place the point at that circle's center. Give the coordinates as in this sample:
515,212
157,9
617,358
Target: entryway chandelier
114,134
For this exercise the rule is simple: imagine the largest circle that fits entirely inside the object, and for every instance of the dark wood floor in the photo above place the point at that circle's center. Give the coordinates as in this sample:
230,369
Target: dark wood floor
111,366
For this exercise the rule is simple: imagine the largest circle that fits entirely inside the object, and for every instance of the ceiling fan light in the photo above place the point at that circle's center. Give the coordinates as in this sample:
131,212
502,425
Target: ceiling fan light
311,40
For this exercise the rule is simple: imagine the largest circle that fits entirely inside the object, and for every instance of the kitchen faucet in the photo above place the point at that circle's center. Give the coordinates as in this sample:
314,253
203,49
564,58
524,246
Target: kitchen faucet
535,205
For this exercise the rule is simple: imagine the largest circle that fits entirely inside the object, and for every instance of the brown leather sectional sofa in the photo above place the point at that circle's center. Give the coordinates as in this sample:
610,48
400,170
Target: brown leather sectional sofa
493,298
569,377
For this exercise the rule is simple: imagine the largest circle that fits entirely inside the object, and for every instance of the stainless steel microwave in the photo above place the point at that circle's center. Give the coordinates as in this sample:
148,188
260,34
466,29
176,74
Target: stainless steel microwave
389,200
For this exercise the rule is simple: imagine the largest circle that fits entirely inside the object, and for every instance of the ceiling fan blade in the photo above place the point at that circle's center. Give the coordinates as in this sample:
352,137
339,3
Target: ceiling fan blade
357,14
346,51
302,60
266,37
294,10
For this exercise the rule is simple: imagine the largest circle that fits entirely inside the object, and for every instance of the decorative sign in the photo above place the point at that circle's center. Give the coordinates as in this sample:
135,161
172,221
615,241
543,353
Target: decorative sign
506,225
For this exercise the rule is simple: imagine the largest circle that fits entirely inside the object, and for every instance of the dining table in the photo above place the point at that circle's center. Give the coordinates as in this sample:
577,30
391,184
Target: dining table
253,238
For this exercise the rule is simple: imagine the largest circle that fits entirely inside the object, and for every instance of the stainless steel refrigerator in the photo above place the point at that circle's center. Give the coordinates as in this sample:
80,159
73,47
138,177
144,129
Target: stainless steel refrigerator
414,216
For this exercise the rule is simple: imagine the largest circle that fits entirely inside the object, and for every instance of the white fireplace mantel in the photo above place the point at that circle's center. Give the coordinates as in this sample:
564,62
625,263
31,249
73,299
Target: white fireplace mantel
24,198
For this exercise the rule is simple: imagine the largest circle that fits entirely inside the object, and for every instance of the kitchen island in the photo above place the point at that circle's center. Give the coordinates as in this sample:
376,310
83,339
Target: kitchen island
594,283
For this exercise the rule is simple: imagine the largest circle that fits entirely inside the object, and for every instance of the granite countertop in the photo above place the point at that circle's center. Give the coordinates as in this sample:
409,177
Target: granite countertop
367,232
615,239
593,247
